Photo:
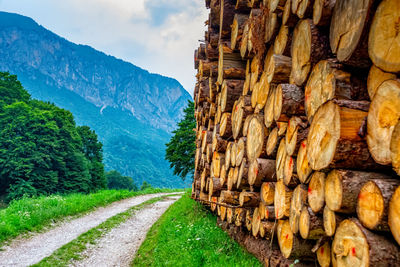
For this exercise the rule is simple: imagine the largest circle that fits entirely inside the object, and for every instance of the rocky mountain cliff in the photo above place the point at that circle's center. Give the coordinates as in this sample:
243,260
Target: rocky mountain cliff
132,110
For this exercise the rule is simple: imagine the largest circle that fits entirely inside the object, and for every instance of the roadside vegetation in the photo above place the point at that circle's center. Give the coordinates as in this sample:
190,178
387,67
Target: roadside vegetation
33,214
188,235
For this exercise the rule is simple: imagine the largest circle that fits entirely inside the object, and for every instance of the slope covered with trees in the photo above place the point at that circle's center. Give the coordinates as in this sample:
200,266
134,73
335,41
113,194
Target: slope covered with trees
42,151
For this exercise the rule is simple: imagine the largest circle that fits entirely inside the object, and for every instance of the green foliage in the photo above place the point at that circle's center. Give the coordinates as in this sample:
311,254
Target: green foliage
145,186
187,235
41,150
181,149
115,180
33,214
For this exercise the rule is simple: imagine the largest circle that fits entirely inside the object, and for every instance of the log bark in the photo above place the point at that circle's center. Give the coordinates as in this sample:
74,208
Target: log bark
227,13
208,68
230,64
303,168
309,46
394,215
267,194
261,170
297,203
349,40
316,192
229,197
219,144
230,92
267,230
213,18
383,116
335,139
282,198
327,81
373,203
322,12
353,244
291,246
214,187
342,188
249,199
288,102
277,68
310,225
266,212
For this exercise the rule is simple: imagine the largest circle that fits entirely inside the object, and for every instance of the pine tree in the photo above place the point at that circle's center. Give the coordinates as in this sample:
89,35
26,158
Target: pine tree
181,149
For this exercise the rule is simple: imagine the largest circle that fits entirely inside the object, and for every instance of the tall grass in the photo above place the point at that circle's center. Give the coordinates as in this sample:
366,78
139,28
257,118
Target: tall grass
188,235
33,214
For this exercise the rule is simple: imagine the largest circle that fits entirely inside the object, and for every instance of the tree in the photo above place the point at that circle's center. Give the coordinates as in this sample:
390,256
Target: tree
181,149
145,185
117,181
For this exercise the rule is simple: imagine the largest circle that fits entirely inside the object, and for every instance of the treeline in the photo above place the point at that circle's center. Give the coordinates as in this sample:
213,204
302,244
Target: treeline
43,151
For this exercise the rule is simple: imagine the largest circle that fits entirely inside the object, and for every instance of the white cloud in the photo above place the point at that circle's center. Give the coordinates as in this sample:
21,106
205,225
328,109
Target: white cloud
126,29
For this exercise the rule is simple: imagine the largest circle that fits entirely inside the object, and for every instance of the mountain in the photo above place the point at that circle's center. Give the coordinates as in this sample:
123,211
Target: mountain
133,111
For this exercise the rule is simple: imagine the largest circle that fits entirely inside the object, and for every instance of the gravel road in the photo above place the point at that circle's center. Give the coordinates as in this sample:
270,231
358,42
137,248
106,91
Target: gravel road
25,252
119,246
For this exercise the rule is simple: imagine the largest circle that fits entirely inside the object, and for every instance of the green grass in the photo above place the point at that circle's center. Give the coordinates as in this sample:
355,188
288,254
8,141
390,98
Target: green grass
73,250
187,235
33,214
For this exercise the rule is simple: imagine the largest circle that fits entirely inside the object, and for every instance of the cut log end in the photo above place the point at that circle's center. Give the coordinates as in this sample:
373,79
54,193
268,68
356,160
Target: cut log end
316,191
303,167
324,255
285,237
329,221
394,215
370,205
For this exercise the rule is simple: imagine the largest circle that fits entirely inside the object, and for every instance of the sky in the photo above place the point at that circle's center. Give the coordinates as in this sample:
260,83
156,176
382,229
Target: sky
157,35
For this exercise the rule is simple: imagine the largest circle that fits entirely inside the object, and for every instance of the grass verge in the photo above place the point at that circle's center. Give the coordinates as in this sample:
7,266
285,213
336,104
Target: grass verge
73,250
33,214
188,235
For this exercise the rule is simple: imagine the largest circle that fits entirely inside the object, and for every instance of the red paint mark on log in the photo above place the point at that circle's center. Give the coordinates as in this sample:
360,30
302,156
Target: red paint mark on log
322,250
353,251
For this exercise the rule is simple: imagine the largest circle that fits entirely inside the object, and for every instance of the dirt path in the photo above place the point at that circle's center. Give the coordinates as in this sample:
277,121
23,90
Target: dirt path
119,246
25,252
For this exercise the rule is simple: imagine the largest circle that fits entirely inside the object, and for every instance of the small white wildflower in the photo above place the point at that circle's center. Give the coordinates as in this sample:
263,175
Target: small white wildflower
198,238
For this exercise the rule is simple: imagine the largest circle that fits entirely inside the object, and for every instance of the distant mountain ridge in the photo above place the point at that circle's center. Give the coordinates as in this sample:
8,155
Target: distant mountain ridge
132,110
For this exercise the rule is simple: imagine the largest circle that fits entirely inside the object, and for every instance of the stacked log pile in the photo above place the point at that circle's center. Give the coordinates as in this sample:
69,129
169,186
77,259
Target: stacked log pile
298,134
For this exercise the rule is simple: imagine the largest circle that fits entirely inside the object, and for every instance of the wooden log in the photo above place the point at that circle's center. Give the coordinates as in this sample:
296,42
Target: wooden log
243,5
255,222
230,212
213,205
238,23
282,199
240,151
375,78
228,155
249,219
342,187
246,125
310,225
214,19
289,172
260,93
240,111
233,154
217,162
308,47
274,4
255,44
354,245
222,215
383,115
230,92
229,197
267,194
247,79
394,215
249,199
297,203
225,126
230,64
244,40
256,138
383,48
288,18
335,141
214,187
269,108
331,221
267,229
208,68
328,82
316,191
277,68
230,179
255,70
209,153
227,13
303,9
324,253
373,203
296,132
206,139
271,147
266,212
240,216
288,102
223,175
261,170
322,12
283,41
281,156
211,52
219,144
271,26
349,40
291,246
242,180
303,168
